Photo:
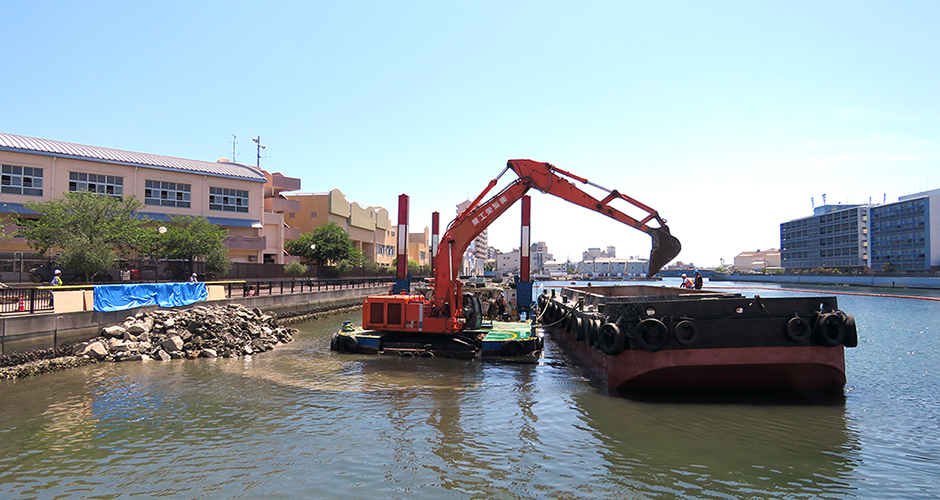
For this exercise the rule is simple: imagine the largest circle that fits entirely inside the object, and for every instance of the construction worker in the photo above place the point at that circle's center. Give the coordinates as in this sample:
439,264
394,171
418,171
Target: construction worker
55,281
686,282
193,278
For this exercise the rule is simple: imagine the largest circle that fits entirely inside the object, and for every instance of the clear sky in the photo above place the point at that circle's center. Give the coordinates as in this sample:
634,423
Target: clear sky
727,117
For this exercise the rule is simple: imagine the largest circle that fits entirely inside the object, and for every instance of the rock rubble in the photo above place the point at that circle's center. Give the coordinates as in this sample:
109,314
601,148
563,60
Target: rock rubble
200,332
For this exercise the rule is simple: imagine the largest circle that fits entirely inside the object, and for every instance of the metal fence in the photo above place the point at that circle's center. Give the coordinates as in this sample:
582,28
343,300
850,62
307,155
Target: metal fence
25,300
39,299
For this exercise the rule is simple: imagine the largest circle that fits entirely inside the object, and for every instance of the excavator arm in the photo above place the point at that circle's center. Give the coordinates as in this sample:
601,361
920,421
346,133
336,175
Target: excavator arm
447,298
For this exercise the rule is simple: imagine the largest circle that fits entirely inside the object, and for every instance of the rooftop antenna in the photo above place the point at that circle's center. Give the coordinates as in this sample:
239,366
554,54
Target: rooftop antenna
824,199
812,202
885,199
257,140
233,149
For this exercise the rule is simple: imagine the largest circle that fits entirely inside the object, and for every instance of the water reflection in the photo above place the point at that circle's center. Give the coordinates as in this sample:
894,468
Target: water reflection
302,421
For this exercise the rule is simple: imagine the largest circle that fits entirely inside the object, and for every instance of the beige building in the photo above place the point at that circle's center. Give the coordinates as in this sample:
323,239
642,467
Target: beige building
368,227
240,198
419,247
756,261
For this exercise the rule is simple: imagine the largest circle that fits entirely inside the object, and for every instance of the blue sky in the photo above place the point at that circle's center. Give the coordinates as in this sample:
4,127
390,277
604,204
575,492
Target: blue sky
726,117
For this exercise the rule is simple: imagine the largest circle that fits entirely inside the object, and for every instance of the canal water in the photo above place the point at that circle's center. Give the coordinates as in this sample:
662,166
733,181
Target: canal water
303,422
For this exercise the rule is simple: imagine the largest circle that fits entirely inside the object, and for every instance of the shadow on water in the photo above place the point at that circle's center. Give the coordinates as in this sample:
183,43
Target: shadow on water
754,398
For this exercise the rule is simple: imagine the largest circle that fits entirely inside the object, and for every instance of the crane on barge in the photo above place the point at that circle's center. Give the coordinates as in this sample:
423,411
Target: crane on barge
447,309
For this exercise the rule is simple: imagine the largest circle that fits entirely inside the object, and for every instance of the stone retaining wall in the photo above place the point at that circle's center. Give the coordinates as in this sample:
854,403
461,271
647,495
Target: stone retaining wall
44,331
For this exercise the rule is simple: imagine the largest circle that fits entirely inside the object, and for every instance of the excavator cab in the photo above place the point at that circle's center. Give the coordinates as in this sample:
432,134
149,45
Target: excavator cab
472,311
665,248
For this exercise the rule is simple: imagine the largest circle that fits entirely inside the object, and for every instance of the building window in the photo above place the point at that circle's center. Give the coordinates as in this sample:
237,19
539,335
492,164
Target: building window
167,194
228,200
21,180
96,183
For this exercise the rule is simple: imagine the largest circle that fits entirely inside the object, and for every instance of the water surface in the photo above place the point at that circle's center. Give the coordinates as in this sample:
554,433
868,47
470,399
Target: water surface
302,421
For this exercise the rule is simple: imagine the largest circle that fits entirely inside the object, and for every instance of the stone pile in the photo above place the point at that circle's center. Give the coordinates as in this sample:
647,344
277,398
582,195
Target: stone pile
208,332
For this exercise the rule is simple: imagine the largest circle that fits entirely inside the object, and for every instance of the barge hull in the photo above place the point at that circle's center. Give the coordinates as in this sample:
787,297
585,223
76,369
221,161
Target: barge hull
797,368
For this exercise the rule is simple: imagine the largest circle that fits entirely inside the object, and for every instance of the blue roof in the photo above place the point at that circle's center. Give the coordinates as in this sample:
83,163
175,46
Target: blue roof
59,149
16,208
218,221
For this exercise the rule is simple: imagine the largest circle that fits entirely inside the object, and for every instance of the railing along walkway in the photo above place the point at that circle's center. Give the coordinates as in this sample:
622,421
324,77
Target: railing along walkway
32,300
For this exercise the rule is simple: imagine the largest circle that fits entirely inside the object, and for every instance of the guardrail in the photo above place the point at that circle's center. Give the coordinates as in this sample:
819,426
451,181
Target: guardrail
31,300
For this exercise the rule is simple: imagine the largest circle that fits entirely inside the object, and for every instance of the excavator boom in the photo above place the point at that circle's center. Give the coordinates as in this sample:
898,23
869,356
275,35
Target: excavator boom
444,311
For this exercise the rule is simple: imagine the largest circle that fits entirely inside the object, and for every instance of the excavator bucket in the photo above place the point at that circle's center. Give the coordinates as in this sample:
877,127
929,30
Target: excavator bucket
665,248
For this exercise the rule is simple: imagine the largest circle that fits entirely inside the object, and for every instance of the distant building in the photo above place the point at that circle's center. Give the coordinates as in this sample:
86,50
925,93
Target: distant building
419,247
538,255
757,261
368,227
478,251
905,235
836,236
606,266
597,253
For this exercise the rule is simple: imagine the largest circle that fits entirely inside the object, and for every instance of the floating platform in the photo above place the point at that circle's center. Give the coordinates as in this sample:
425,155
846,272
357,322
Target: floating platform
638,338
517,340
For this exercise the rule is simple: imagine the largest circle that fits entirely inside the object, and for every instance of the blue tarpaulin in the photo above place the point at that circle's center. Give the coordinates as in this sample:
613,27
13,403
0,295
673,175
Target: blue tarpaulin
121,297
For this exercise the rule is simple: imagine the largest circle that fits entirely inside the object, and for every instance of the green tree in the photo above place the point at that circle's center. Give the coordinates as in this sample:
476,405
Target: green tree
90,229
327,244
193,237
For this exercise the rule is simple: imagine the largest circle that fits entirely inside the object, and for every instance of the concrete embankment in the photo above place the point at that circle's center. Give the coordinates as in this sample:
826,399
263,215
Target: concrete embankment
46,331
927,282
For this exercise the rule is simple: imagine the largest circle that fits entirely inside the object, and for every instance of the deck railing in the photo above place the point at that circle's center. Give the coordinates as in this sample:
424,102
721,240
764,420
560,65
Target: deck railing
31,300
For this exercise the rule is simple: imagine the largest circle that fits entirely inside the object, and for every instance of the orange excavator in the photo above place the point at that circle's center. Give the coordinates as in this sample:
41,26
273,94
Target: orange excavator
446,309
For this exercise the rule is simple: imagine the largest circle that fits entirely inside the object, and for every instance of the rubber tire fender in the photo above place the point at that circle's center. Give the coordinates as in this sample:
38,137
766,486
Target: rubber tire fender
347,344
333,343
594,332
830,329
610,340
511,348
851,332
798,329
578,328
549,316
686,332
651,334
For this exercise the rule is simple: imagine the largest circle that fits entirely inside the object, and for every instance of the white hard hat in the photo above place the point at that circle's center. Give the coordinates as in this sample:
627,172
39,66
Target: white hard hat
58,271
684,276
194,274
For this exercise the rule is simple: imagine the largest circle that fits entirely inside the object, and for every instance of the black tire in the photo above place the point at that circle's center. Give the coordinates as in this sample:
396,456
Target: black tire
552,312
569,323
347,344
830,330
578,328
798,329
333,339
511,348
851,332
35,278
594,332
651,334
686,332
610,340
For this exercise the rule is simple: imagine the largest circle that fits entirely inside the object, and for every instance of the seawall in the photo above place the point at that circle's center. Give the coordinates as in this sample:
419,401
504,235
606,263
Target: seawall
876,281
44,331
